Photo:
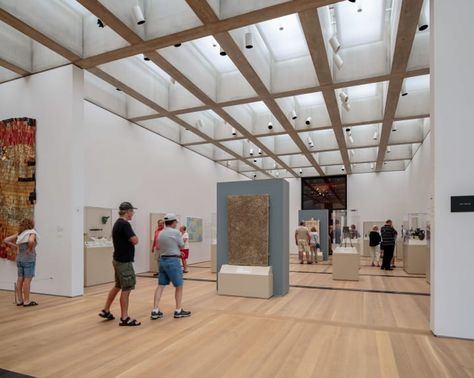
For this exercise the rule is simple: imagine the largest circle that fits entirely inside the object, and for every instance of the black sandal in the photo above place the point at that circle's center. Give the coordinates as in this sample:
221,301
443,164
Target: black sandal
32,303
129,322
107,315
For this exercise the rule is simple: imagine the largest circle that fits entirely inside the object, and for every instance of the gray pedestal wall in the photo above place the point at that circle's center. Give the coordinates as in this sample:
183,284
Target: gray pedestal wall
323,217
278,190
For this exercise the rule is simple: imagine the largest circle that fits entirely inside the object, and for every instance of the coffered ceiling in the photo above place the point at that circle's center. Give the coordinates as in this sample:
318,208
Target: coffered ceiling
288,106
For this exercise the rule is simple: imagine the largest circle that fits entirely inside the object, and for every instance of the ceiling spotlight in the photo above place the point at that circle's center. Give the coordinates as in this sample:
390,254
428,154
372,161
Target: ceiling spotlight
344,96
311,145
259,151
394,127
199,124
254,176
371,165
254,160
384,163
352,1
301,171
251,152
100,24
342,168
348,131
277,173
404,92
335,44
352,153
146,58
423,22
270,125
248,40
376,136
359,6
234,133
308,121
137,12
389,149
310,141
177,44
346,106
281,28
222,52
293,114
118,89
351,139
338,61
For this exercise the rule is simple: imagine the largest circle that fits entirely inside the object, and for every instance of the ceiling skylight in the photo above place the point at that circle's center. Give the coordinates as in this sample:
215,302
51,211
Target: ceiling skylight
357,28
284,37
209,49
310,99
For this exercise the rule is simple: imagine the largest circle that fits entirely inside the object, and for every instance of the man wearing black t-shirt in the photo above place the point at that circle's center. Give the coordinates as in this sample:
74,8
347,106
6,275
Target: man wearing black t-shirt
124,240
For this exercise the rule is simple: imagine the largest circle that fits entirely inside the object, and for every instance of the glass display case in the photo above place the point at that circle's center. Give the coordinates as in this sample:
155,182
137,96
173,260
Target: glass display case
416,228
346,228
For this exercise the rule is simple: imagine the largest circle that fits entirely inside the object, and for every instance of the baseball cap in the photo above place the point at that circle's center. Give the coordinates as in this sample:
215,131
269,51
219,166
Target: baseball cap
170,217
126,206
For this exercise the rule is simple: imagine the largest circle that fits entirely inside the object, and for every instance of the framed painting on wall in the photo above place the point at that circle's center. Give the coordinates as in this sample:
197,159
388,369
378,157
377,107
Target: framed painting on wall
194,228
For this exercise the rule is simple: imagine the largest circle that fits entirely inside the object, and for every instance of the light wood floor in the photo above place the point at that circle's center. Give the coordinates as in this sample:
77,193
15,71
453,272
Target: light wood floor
309,332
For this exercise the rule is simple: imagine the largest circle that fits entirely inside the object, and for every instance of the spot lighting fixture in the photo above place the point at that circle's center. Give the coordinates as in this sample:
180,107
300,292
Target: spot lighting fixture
308,121
375,136
100,23
177,44
335,44
371,165
310,141
394,127
199,124
300,171
222,52
145,58
348,131
346,106
352,153
342,168
352,1
248,40
404,92
270,125
254,176
344,97
293,114
423,22
338,61
351,139
254,160
389,149
259,151
234,133
281,28
384,163
137,12
251,152
277,173
118,89
359,6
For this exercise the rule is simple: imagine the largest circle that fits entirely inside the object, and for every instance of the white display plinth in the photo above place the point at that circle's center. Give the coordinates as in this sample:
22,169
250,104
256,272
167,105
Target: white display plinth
245,281
98,268
213,258
345,263
415,254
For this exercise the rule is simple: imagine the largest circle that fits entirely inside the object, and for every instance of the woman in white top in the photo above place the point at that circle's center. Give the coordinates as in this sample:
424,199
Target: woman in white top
313,244
185,249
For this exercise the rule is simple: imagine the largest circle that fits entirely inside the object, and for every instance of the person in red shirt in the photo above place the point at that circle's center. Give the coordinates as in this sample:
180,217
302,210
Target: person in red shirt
155,246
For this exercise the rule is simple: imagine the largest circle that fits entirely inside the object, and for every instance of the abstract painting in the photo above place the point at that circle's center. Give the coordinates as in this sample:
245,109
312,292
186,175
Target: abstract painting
194,229
17,176
247,229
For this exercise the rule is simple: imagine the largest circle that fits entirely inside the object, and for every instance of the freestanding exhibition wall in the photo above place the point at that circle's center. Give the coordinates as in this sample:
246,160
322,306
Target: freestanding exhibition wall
278,190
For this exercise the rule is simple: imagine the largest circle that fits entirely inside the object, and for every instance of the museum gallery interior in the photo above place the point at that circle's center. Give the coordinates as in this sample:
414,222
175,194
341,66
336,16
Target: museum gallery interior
318,153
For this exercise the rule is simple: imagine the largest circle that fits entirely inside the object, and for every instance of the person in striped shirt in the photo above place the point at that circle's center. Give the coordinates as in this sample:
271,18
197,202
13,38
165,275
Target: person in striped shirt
389,236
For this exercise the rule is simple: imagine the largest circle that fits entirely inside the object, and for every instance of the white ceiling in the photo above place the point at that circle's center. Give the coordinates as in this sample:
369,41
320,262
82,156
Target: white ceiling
197,98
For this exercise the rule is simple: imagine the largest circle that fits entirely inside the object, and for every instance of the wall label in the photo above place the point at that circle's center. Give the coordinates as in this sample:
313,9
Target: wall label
462,204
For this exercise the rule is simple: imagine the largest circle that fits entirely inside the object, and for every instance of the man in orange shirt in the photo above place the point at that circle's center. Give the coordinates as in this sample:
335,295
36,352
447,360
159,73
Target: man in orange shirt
155,246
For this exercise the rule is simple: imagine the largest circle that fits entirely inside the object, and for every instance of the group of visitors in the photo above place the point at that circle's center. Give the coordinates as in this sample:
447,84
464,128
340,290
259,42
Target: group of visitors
168,246
308,243
383,245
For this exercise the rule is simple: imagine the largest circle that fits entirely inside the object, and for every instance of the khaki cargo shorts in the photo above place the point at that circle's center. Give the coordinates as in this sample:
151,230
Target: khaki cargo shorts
124,275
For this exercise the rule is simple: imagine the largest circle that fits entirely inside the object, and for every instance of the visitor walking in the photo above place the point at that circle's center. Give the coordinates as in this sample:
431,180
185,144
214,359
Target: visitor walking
389,236
171,242
185,249
302,239
124,240
24,242
374,245
155,247
314,244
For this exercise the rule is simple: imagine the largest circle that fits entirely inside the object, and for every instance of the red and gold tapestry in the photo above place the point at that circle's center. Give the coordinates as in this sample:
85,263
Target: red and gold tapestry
17,176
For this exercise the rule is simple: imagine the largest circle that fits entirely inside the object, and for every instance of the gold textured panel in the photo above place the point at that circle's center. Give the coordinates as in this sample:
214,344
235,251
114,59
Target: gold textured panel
247,229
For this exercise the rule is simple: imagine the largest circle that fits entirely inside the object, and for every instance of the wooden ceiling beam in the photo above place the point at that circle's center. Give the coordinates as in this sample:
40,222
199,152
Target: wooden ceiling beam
314,38
13,67
407,27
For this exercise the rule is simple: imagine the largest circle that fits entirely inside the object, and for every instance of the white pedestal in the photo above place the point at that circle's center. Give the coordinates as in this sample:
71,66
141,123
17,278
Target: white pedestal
415,254
345,264
98,268
245,281
213,258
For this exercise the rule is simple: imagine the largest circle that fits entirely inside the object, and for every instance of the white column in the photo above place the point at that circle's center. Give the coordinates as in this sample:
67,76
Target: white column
452,285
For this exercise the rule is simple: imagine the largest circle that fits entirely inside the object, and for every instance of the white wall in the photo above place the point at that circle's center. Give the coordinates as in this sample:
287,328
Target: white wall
125,162
54,99
452,280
